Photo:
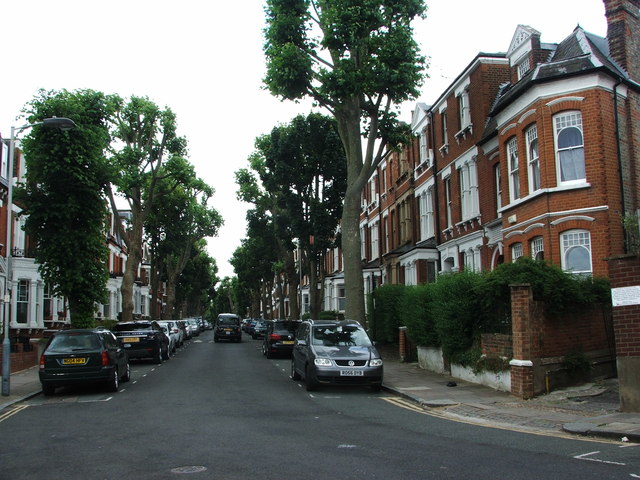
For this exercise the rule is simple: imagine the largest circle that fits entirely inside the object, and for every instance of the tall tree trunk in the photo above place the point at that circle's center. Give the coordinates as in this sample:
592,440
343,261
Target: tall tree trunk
128,279
293,279
348,118
314,303
168,312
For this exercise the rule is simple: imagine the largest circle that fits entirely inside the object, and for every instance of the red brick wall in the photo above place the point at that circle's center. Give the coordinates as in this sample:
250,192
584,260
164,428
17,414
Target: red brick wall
21,360
537,338
497,345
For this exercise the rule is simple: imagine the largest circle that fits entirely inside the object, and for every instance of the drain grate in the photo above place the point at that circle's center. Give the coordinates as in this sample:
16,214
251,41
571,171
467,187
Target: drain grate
189,469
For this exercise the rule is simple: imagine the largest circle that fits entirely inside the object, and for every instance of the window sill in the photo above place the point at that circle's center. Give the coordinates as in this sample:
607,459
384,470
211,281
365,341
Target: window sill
542,191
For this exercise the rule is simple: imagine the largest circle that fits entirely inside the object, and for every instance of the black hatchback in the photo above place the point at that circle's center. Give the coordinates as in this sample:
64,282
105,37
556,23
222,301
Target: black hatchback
279,337
83,356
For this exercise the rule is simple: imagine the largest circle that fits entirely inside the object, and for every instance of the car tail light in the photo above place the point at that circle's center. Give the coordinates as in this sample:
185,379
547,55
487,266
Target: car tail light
42,361
105,359
275,337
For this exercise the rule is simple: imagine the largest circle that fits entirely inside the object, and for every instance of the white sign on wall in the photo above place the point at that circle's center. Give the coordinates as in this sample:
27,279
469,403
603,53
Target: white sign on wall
625,296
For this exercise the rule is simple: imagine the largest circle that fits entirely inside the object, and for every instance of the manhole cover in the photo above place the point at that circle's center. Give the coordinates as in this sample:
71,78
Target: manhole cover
189,469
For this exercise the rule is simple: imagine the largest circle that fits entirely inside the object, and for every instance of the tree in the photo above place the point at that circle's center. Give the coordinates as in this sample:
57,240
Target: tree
254,259
358,60
302,168
64,199
176,225
196,287
147,151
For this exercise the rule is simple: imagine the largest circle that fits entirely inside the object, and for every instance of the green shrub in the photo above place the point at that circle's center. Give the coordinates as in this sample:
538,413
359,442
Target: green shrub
457,312
416,311
559,290
387,301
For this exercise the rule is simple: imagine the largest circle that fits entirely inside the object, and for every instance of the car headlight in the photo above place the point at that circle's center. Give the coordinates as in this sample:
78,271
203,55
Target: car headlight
375,362
322,362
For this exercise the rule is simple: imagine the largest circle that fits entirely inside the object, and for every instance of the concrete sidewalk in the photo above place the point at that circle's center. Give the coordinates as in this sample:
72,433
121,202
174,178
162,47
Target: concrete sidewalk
591,409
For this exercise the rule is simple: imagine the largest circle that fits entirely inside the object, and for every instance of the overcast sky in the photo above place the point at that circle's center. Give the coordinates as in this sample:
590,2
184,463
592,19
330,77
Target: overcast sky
203,59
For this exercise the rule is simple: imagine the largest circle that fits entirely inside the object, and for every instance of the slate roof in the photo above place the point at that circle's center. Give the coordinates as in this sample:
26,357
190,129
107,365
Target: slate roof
579,53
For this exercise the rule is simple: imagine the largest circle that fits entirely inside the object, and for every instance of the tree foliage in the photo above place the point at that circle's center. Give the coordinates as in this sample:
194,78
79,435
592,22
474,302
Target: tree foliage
147,151
63,197
358,60
177,224
297,180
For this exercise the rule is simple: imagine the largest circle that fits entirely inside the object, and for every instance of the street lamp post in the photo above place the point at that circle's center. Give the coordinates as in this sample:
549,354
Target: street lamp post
60,123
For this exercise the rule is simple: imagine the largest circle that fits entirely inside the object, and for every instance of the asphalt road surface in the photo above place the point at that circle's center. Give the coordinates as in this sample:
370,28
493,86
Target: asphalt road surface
223,411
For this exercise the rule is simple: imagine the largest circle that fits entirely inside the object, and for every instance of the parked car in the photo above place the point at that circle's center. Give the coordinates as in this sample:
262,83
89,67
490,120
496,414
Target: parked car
82,356
193,324
227,327
335,352
143,339
250,325
279,337
186,331
179,332
171,331
259,329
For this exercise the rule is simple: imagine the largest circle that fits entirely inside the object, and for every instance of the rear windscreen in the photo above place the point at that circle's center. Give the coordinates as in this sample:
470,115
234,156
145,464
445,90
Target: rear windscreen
228,321
72,343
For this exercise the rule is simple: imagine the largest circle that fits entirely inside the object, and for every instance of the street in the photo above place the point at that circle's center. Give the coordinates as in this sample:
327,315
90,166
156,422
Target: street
223,411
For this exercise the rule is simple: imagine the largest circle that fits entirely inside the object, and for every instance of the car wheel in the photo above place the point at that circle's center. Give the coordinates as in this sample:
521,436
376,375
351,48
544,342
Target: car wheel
310,379
294,375
165,354
268,353
215,339
157,358
114,383
127,373
48,390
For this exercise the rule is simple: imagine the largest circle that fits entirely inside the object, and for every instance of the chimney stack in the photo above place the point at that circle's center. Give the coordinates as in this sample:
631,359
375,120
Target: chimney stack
623,34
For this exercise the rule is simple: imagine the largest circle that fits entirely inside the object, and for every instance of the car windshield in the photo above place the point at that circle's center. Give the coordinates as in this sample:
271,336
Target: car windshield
340,335
74,342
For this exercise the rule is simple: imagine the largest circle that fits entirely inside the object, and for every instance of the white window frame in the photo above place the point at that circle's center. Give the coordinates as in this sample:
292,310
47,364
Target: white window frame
498,182
562,122
516,251
464,109
572,241
448,201
375,229
445,133
514,169
533,159
537,246
523,67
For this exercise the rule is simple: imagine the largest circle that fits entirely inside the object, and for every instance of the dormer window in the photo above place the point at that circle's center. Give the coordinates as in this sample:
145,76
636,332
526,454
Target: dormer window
523,67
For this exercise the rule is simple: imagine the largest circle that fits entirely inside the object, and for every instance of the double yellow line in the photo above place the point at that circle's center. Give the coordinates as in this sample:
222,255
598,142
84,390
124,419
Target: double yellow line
12,412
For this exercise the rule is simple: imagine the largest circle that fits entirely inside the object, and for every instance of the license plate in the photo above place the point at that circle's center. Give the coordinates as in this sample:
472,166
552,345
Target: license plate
130,339
287,342
351,373
74,361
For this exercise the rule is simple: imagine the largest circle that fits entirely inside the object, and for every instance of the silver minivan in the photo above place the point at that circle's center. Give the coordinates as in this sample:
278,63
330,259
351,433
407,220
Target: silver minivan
335,353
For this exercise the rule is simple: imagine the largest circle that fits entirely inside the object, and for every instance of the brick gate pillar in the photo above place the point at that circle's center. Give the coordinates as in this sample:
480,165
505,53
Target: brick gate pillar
624,274
522,326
